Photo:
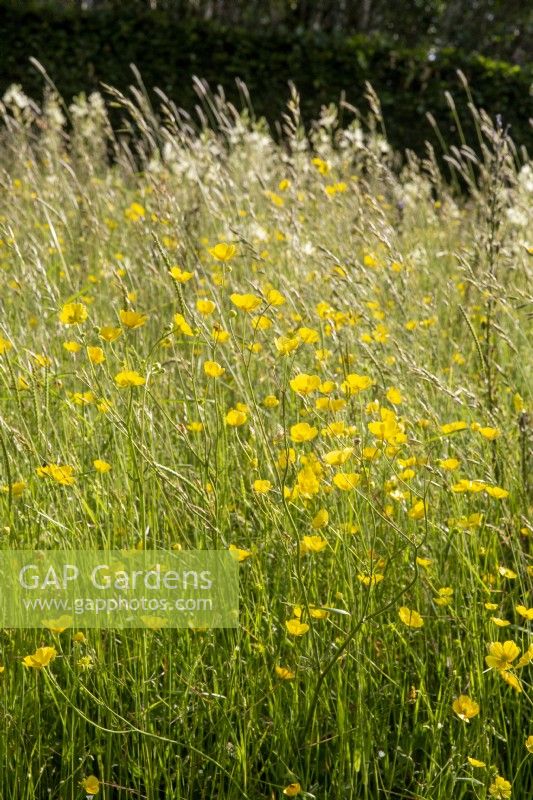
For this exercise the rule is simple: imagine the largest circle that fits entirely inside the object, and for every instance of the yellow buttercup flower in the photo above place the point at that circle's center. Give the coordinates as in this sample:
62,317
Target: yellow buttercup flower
223,251
292,790
275,298
17,488
501,656
132,319
466,485
235,418
96,355
388,428
296,628
101,466
371,453
321,519
518,403
453,427
410,618
511,679
42,361
205,307
305,384
286,457
135,212
526,613
321,165
418,511
353,384
500,789
42,657
336,458
109,333
500,623
303,432
245,302
271,401
489,433
261,323
238,553
285,674
444,596
180,275
182,325
275,199
346,481
82,398
5,345
287,344
308,483
219,336
72,347
465,707
465,523
90,785
370,580
73,314
449,464
213,370
261,486
308,335
58,625
510,574
394,396
497,492
128,379
195,426
60,473
312,544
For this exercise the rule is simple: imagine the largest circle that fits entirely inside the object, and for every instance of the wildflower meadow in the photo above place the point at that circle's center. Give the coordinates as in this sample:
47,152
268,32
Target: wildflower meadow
295,344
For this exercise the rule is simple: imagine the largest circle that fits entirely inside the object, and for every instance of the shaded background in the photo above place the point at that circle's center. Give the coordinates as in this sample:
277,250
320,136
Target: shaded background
410,51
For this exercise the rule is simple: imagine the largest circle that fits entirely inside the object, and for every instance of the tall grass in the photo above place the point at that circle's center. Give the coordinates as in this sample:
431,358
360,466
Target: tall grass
360,267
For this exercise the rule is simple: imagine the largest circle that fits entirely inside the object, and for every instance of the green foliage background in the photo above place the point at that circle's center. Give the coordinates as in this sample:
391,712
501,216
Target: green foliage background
80,49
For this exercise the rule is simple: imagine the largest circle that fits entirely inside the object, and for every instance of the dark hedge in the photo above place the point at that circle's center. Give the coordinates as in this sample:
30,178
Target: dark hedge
80,49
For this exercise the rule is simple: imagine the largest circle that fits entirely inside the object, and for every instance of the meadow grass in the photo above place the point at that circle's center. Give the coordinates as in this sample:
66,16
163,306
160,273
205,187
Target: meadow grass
333,379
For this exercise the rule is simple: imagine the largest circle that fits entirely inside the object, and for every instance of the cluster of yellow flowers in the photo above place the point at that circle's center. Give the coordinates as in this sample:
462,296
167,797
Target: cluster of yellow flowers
274,377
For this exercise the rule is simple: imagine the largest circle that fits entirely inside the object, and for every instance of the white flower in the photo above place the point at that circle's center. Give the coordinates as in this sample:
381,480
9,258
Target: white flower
15,96
525,178
517,217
